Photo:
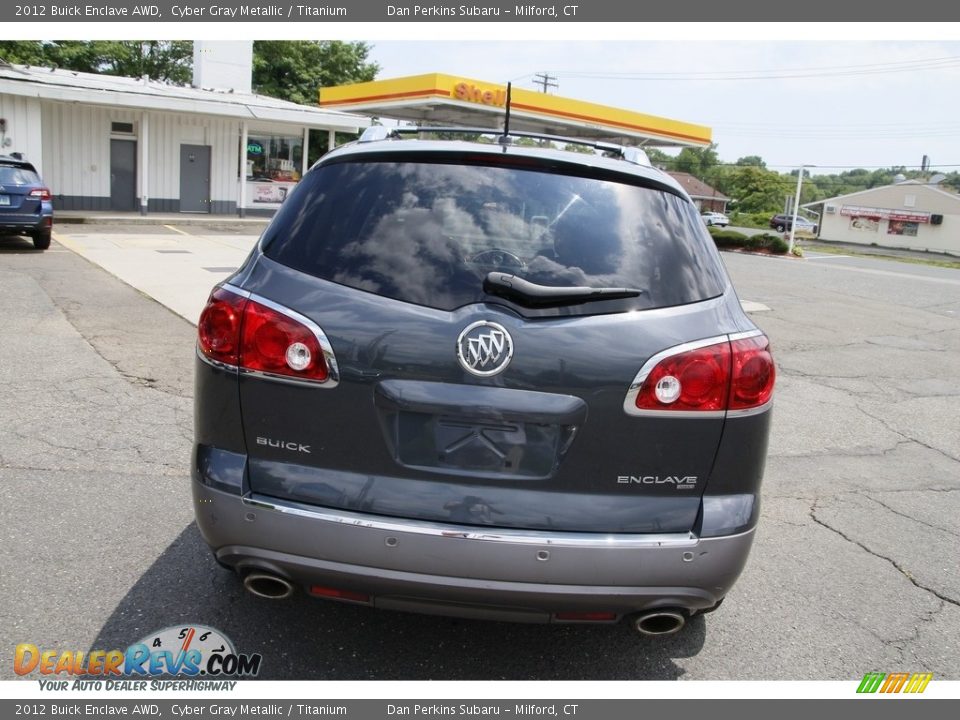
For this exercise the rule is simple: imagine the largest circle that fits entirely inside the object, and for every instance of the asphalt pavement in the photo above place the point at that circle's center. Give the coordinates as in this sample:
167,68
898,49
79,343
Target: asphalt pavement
856,566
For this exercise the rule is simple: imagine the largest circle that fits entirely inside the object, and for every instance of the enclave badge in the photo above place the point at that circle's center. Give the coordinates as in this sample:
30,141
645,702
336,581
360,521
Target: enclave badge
484,348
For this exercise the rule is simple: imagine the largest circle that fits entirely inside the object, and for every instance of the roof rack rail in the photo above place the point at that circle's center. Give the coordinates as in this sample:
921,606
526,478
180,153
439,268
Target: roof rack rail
630,154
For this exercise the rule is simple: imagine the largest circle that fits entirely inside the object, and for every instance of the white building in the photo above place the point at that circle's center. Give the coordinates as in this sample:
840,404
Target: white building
909,214
124,144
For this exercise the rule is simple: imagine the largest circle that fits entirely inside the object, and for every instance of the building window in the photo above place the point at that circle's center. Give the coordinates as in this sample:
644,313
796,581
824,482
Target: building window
276,158
910,201
121,128
902,227
273,166
864,223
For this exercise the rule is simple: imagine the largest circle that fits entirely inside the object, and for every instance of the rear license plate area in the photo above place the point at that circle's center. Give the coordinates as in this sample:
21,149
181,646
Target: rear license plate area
458,445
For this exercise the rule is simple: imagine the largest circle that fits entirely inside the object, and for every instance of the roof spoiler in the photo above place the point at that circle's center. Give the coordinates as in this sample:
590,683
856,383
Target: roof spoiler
633,155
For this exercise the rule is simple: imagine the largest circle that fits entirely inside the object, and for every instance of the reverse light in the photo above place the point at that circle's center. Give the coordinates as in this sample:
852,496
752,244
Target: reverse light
257,335
709,376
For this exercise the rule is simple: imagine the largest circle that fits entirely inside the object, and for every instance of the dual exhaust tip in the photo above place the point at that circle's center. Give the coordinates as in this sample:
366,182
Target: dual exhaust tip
652,622
663,621
266,585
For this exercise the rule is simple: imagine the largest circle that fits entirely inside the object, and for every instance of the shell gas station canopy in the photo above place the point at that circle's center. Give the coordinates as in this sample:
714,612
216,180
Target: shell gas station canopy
436,99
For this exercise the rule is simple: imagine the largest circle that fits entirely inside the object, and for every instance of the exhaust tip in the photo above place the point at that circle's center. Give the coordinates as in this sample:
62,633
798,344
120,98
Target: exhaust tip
271,587
660,622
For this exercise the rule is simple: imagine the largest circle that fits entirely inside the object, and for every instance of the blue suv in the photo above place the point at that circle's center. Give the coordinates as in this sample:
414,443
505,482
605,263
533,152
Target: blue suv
26,205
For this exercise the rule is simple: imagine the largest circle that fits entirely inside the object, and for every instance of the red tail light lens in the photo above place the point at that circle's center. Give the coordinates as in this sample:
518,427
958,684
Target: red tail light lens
218,330
251,335
720,376
275,343
753,373
698,379
41,193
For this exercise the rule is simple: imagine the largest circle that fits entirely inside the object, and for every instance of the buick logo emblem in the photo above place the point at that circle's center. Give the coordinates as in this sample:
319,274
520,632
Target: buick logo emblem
484,348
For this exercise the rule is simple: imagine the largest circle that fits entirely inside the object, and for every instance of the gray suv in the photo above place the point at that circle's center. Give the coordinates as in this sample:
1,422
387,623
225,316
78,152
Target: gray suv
483,380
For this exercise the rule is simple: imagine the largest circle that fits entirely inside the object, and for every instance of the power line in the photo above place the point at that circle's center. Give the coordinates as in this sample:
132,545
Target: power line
941,63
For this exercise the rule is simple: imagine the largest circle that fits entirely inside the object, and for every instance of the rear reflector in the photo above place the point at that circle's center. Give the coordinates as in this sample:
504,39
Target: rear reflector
262,337
337,594
585,616
705,378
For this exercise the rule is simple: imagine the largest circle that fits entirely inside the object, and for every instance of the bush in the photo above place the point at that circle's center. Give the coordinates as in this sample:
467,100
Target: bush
758,220
764,241
770,242
728,238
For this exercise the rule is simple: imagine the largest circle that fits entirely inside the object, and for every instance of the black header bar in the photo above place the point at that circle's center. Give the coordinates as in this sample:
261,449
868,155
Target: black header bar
332,11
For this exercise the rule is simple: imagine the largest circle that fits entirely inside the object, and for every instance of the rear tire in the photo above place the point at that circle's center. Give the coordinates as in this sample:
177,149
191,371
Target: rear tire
41,239
781,228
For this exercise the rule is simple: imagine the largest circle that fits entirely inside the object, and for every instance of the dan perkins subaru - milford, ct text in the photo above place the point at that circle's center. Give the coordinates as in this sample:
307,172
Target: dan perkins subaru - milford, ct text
522,709
425,11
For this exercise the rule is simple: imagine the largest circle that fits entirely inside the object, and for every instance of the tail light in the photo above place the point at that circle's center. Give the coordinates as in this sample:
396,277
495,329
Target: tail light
40,194
259,336
706,378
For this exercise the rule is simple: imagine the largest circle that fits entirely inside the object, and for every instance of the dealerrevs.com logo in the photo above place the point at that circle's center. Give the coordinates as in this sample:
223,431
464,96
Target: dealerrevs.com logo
887,683
184,651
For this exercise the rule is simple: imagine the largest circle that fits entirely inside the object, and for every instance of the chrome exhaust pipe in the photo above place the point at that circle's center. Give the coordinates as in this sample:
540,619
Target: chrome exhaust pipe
271,587
660,622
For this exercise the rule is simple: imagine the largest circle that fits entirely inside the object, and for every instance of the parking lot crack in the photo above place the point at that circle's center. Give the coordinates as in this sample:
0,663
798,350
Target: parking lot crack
910,517
883,421
899,568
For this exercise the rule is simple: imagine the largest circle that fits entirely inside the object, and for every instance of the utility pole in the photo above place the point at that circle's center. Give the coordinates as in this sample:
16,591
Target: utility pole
545,80
796,206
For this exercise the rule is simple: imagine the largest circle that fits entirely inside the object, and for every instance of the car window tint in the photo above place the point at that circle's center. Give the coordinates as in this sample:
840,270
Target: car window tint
429,233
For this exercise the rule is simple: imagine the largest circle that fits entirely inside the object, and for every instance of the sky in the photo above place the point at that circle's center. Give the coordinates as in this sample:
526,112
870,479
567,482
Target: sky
828,104
831,95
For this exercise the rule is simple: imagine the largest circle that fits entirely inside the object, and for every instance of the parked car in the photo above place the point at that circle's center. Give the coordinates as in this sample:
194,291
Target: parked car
26,205
715,218
782,222
491,381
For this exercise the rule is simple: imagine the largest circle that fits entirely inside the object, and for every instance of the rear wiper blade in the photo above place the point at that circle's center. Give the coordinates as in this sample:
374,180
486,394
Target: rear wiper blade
528,293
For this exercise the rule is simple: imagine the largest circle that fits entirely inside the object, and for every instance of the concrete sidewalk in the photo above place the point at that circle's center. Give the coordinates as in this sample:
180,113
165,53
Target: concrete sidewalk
174,268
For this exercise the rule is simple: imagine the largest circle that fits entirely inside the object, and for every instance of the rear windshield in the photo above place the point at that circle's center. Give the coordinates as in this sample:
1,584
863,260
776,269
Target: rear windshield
17,176
429,233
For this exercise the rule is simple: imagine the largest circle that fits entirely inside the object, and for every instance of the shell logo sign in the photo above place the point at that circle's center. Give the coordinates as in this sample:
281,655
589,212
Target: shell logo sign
474,93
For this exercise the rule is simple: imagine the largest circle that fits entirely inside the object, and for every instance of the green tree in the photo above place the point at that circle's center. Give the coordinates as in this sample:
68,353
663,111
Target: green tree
295,69
756,189
751,161
697,161
165,60
23,52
